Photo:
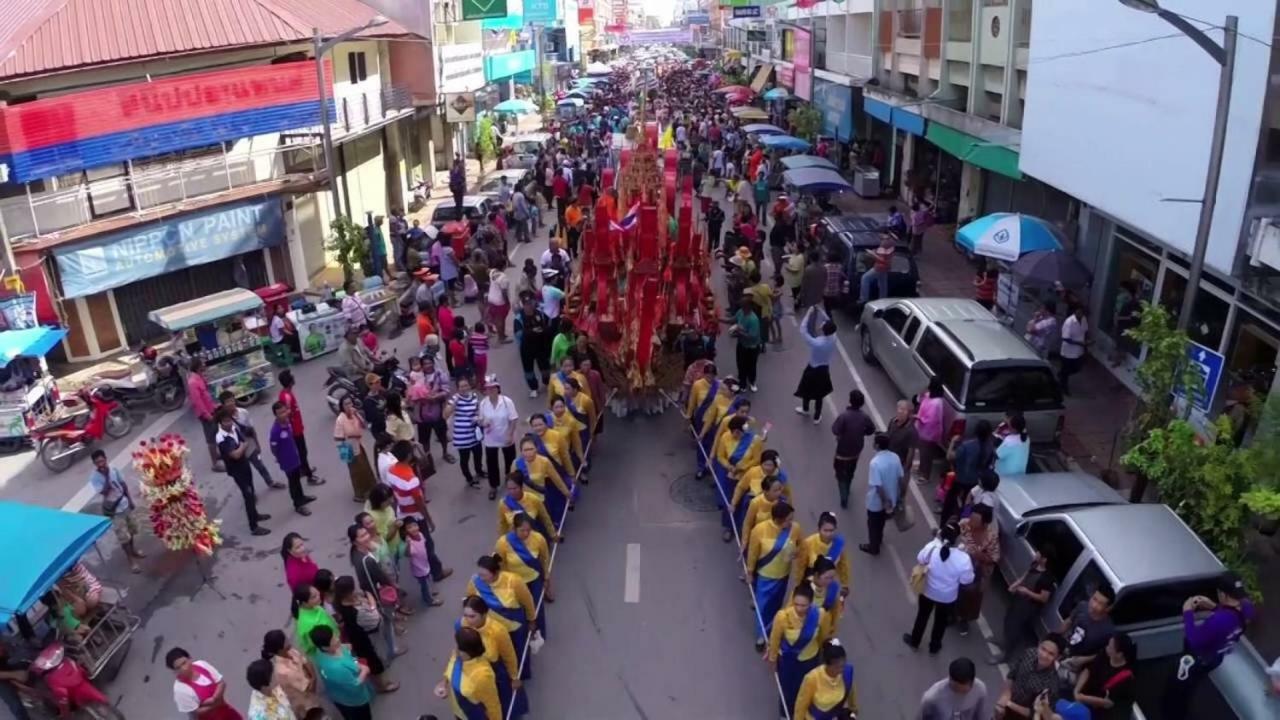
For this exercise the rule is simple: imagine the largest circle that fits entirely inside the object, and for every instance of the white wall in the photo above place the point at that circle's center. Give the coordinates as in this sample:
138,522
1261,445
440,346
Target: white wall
1126,129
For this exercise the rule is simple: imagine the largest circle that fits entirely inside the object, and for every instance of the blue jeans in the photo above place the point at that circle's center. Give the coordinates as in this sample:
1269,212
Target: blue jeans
873,276
424,584
388,628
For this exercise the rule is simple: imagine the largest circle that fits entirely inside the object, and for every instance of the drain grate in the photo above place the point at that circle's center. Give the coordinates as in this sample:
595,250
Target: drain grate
695,495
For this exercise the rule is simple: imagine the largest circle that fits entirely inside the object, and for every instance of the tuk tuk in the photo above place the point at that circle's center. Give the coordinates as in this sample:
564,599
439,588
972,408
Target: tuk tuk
31,575
220,329
28,392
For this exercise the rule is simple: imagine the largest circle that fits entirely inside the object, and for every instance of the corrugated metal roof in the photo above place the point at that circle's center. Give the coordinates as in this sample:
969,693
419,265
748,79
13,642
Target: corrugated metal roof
39,37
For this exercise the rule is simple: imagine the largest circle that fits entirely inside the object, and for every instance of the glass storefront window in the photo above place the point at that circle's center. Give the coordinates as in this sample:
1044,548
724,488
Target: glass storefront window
1208,316
1252,354
1138,270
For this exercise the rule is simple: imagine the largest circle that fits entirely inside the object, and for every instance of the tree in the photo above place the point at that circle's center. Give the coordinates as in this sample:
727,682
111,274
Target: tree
485,149
350,245
806,122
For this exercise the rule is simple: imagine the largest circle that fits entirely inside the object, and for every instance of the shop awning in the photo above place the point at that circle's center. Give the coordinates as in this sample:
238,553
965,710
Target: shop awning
762,77
29,342
63,538
205,310
975,151
903,119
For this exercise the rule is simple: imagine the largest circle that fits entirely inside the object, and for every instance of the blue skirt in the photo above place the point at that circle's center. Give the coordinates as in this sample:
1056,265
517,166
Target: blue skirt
504,690
726,484
706,443
770,594
535,589
556,503
740,512
520,638
791,672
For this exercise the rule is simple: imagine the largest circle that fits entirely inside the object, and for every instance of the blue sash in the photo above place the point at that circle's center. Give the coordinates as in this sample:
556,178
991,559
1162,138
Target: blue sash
490,598
513,505
837,547
833,595
818,714
807,631
542,450
739,452
564,380
735,404
778,543
523,467
522,551
700,414
472,711
579,416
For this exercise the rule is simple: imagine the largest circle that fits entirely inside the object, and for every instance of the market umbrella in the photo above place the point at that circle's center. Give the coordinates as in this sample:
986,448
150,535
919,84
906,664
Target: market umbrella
1045,268
734,89
763,129
740,99
1008,236
798,162
816,180
749,113
776,94
784,142
515,106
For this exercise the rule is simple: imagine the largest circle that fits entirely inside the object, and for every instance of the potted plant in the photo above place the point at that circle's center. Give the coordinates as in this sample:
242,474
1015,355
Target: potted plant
348,243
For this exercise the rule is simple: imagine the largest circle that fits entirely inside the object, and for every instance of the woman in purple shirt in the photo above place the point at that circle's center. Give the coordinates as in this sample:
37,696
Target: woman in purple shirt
1207,642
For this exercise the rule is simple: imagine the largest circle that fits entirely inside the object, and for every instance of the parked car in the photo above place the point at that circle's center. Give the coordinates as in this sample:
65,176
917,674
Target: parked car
986,368
525,149
853,236
490,183
1092,537
473,207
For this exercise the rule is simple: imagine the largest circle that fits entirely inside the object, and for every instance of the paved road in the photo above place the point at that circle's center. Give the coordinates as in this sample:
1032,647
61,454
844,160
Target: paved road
651,620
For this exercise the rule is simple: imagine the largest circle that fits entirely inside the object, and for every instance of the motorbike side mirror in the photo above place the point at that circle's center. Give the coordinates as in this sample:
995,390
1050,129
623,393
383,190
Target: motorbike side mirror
878,314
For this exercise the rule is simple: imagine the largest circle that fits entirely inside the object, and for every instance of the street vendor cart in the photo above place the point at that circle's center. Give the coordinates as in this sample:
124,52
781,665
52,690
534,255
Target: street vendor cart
217,329
28,391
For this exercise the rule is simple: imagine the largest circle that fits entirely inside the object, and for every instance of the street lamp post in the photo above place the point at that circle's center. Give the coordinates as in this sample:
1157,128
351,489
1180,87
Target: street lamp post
321,46
1225,56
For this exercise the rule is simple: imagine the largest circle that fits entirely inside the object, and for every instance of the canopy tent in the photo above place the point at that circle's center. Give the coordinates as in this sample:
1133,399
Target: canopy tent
515,106
1008,236
776,94
206,309
763,129
784,142
598,69
816,180
33,567
29,342
749,113
798,162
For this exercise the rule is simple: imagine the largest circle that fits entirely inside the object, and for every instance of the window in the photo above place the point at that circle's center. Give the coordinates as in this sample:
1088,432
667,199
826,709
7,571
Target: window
1086,584
940,361
1013,388
913,327
1159,602
356,68
896,318
1059,544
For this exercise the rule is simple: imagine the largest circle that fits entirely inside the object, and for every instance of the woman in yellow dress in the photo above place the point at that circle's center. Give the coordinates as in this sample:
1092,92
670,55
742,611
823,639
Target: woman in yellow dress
738,450
750,486
797,635
827,593
518,501
709,398
560,378
509,599
761,507
538,472
527,554
578,402
469,682
770,552
828,543
572,429
829,688
552,445
498,651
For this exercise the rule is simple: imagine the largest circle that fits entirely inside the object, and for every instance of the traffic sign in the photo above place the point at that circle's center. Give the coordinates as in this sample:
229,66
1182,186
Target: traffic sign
749,11
1208,365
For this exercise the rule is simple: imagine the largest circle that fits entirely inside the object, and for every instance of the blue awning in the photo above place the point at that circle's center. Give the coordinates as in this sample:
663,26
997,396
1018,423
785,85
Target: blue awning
63,537
901,118
876,109
816,180
202,311
31,342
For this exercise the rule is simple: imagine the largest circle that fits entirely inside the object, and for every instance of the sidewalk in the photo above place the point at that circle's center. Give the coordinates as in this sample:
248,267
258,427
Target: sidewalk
1095,414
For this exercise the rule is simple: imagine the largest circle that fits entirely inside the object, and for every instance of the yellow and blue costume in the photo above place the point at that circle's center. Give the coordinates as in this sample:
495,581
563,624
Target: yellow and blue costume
511,603
794,643
770,552
473,689
529,560
500,653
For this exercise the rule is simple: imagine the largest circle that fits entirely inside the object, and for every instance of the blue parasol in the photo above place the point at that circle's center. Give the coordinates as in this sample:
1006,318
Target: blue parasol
776,94
1008,236
784,142
515,106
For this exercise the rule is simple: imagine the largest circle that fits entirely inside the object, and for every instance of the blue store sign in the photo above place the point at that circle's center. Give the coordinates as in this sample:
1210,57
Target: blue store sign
110,261
1208,365
499,67
835,102
540,11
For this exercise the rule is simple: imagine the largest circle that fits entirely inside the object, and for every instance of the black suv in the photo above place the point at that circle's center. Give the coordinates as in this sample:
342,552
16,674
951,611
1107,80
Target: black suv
853,236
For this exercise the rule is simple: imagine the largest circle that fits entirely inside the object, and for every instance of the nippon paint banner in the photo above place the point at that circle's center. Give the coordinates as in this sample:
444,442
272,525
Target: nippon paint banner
672,36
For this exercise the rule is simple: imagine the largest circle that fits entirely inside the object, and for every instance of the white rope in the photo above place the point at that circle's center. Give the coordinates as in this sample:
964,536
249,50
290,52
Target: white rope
742,559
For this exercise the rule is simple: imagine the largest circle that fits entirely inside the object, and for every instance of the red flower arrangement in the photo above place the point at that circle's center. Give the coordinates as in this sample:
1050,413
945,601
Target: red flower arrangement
177,511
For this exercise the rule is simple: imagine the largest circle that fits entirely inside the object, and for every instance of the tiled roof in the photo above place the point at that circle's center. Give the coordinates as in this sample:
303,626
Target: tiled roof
39,37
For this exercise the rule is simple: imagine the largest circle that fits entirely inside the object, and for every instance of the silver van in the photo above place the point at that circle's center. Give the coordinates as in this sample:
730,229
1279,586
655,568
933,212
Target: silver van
525,149
986,368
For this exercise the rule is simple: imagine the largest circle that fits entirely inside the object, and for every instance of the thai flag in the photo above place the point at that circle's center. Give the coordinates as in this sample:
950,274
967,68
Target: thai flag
628,221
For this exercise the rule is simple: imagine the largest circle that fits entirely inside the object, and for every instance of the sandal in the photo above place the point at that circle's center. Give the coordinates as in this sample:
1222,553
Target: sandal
389,688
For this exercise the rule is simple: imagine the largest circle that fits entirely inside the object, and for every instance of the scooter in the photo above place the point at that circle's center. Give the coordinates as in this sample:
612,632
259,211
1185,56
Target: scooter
339,384
67,688
162,386
61,442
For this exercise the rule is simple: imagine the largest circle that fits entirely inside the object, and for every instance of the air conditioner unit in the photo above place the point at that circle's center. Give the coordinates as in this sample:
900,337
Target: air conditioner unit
1264,245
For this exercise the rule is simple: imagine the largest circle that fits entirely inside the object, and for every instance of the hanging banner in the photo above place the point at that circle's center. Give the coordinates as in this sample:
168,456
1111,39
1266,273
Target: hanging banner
618,23
672,36
540,12
586,12
803,45
749,11
483,9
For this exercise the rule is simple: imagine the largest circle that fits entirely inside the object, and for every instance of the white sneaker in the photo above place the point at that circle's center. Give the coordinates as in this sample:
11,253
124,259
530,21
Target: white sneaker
817,421
754,388
801,411
533,393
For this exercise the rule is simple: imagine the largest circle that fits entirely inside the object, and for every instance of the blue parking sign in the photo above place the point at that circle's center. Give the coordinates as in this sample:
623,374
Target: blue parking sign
1208,365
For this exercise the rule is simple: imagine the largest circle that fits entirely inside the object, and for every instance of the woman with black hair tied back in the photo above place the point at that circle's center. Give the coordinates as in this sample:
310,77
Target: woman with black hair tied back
528,555
294,673
827,690
499,651
827,592
469,682
826,543
509,599
797,635
946,569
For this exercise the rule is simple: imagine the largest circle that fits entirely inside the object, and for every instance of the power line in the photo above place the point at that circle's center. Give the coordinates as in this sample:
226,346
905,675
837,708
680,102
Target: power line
1105,48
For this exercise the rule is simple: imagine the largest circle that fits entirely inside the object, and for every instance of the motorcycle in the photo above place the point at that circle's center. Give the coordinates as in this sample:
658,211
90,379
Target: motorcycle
67,688
161,387
339,384
61,442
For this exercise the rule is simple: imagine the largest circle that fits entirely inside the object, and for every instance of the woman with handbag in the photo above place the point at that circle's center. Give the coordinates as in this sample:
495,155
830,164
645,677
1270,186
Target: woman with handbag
430,410
375,583
348,432
358,611
941,568
980,540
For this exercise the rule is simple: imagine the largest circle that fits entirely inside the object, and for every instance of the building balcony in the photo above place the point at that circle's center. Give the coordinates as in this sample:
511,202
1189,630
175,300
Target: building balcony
850,64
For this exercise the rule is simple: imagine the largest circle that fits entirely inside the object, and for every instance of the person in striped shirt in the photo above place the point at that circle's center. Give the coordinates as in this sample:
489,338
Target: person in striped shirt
462,412
411,502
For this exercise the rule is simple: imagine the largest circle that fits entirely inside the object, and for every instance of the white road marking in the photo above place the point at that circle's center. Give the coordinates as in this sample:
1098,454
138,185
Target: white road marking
123,459
631,590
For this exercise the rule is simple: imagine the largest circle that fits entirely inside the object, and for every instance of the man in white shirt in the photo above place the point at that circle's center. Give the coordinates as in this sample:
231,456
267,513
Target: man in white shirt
1075,336
553,248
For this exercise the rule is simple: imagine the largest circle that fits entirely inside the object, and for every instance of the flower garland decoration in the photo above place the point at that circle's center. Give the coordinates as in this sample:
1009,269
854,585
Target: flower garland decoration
177,511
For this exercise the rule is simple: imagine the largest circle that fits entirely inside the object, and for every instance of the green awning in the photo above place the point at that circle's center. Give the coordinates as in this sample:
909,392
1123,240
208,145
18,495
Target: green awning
975,151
